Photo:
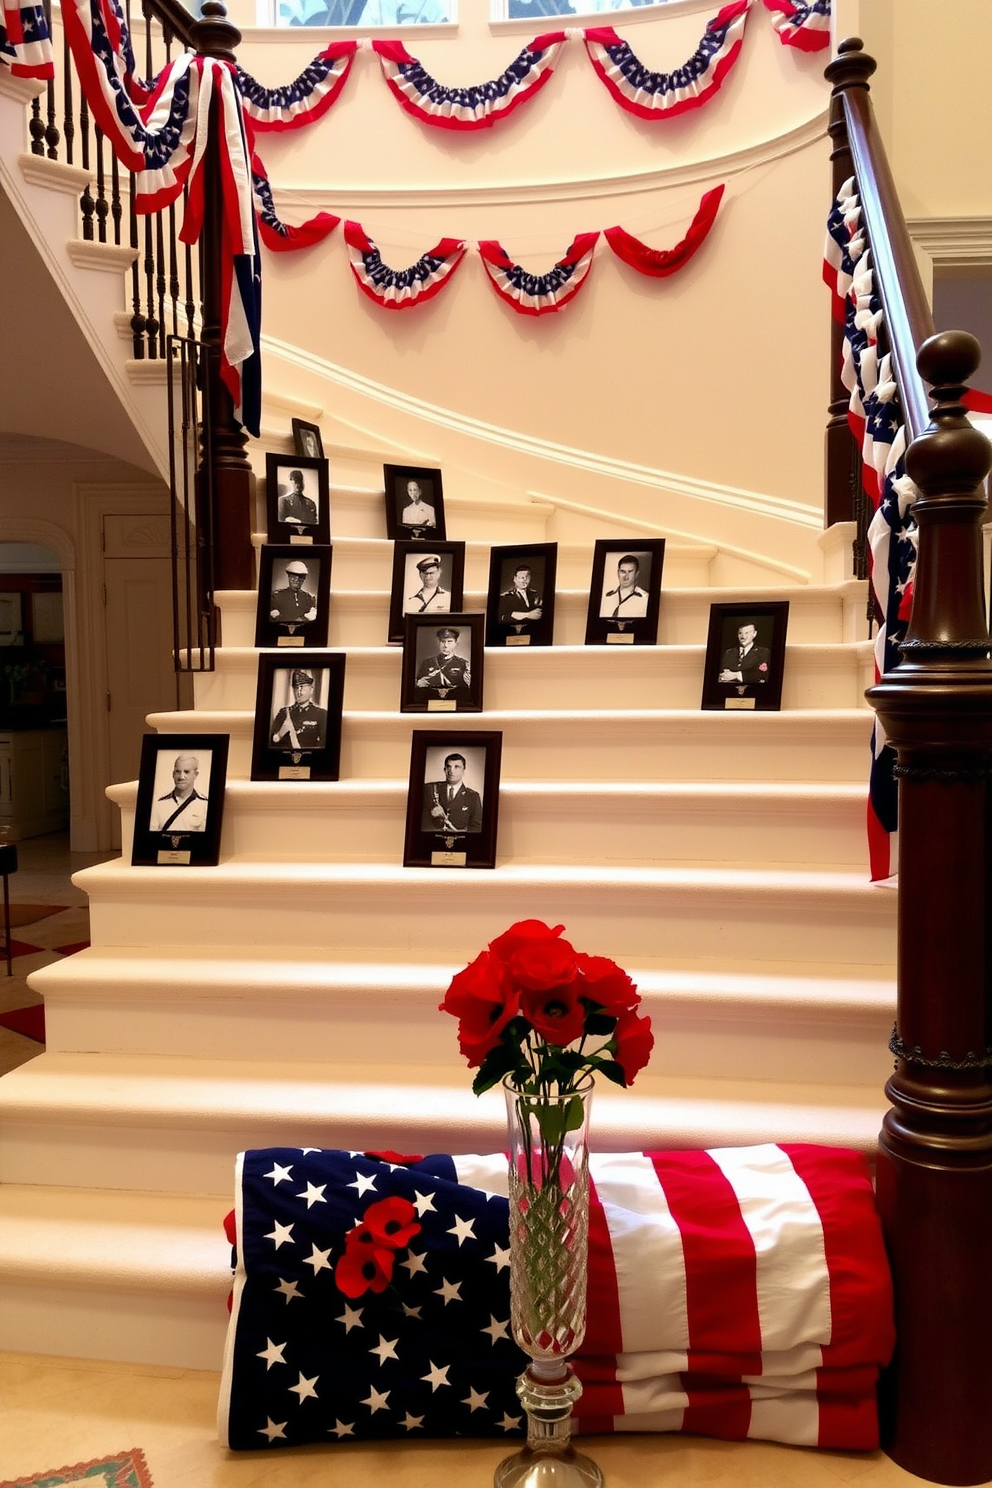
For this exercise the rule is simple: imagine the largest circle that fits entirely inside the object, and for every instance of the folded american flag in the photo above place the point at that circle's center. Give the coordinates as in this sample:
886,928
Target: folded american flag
739,1292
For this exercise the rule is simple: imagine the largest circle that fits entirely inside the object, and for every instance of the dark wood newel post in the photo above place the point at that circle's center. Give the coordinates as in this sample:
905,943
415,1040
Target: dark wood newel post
225,480
935,1152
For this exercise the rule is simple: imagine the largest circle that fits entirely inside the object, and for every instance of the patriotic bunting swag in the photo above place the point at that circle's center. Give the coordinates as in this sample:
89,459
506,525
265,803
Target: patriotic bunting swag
304,101
659,263
875,417
539,294
398,289
740,1292
477,107
662,95
276,234
805,27
25,41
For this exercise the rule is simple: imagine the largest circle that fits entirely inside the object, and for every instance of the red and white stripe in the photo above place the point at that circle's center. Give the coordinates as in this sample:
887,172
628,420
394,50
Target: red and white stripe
447,107
503,272
666,100
800,26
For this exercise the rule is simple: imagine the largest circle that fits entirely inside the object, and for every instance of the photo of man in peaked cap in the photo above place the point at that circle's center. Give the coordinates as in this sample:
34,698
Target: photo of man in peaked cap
444,673
428,596
295,508
302,724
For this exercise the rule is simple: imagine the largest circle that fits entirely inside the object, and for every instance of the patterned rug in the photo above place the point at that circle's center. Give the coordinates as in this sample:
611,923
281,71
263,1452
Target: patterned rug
122,1470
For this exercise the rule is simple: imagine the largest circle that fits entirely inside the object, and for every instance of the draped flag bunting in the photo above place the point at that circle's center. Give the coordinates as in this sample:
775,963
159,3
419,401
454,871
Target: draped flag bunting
278,235
875,418
658,263
539,294
476,107
26,42
398,289
305,100
662,95
806,27
739,1292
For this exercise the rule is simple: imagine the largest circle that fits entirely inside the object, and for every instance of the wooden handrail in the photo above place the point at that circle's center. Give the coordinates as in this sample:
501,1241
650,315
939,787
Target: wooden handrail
174,18
908,319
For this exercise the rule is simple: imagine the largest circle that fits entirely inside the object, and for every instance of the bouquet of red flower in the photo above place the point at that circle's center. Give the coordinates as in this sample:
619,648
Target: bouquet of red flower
533,1008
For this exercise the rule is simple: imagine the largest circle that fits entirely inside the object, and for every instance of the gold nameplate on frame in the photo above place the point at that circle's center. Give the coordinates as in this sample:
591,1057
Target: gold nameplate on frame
442,705
739,702
448,859
518,640
291,640
182,858
297,538
615,638
294,772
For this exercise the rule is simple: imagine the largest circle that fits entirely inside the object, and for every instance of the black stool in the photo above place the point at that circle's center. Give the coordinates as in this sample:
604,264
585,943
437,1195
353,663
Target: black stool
8,865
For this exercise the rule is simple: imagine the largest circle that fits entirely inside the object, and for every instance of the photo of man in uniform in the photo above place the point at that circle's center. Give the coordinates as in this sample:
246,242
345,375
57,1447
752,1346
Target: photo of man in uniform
444,673
424,592
302,724
746,662
183,808
416,510
450,806
520,602
295,508
624,599
293,604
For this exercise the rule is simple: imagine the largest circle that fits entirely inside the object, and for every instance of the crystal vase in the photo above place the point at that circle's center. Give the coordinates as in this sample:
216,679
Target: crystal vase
549,1252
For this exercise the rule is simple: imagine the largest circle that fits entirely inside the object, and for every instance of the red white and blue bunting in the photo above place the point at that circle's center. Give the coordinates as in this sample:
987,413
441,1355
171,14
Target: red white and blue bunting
307,98
476,107
806,27
663,95
276,234
539,294
658,263
398,289
26,42
875,418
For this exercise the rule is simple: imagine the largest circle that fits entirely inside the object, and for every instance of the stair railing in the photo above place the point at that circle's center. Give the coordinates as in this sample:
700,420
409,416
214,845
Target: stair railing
935,1147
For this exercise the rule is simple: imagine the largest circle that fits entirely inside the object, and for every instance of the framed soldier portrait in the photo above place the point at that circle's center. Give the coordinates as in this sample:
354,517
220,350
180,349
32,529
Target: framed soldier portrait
294,586
745,655
297,503
427,582
298,703
442,664
414,502
520,609
180,802
307,440
625,592
453,801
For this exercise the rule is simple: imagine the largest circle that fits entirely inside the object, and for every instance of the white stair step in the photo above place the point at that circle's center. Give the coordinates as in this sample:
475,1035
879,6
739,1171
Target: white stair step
572,744
741,916
358,617
112,1122
287,1006
140,1276
634,823
820,676
360,511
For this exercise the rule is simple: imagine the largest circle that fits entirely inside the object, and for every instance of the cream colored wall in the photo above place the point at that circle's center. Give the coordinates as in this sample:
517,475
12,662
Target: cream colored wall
685,375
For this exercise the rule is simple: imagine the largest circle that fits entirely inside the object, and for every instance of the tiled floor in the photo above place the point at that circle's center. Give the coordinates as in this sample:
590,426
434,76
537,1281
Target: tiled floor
54,1412
44,866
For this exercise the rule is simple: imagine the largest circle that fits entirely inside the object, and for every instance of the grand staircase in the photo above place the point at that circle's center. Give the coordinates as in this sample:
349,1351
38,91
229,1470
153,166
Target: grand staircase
290,994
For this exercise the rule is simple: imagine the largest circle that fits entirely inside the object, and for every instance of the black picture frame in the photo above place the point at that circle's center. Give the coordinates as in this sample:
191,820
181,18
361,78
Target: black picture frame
297,488
441,675
757,687
397,480
467,837
298,731
307,440
540,560
275,623
625,592
406,593
168,833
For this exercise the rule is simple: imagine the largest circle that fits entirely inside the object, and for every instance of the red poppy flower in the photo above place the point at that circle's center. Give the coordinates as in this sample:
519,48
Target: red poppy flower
606,984
484,1002
556,1013
634,1042
391,1222
522,933
366,1266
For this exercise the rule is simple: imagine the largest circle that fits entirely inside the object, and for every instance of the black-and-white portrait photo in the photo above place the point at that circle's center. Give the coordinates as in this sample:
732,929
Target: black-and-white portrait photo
745,655
293,597
298,709
293,593
520,604
427,584
521,591
626,585
181,792
444,663
414,503
454,790
745,650
297,503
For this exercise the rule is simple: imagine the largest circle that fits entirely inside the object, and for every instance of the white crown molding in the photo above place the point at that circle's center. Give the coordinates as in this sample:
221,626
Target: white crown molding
781,510
344,199
950,241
